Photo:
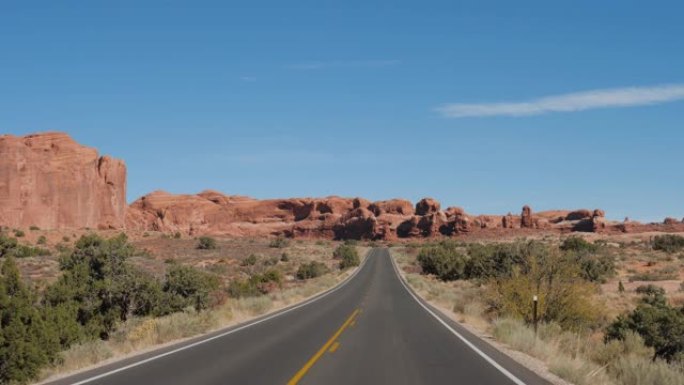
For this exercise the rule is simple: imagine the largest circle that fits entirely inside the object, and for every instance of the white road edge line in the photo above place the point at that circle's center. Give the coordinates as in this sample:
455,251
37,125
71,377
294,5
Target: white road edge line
482,354
192,345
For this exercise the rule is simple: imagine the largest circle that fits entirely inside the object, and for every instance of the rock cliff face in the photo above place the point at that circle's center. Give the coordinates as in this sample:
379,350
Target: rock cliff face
50,181
211,212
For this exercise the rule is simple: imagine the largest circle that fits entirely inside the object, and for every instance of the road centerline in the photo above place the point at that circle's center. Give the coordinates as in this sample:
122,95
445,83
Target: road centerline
310,363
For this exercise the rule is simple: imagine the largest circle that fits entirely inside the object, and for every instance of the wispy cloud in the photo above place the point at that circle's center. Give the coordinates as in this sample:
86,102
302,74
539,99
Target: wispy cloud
316,65
579,101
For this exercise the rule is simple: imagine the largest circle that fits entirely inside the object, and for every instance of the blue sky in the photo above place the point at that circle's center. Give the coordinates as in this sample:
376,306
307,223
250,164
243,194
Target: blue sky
364,98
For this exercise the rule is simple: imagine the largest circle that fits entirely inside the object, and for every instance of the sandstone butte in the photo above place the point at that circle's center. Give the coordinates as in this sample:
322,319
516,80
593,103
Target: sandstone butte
49,180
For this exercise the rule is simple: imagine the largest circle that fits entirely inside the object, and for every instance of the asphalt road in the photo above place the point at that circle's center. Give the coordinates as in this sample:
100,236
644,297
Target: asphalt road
370,330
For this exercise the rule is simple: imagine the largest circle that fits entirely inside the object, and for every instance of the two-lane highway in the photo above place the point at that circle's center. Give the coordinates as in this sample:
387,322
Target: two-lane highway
371,330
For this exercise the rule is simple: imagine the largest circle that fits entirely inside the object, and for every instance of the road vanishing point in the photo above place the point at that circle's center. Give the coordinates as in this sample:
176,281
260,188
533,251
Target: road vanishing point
371,329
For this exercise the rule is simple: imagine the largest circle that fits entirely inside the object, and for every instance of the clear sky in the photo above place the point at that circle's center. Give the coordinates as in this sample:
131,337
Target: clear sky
487,105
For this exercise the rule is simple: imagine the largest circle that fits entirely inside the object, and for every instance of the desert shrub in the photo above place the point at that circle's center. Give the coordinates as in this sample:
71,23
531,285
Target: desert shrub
187,286
206,243
255,285
496,260
564,298
11,247
595,268
443,260
99,287
272,261
41,240
27,342
578,244
177,235
279,243
34,228
312,269
250,261
651,291
242,288
66,239
660,325
347,255
284,257
669,243
19,233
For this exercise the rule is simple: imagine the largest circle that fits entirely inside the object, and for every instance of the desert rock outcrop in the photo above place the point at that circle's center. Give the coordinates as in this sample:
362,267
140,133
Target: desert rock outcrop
50,181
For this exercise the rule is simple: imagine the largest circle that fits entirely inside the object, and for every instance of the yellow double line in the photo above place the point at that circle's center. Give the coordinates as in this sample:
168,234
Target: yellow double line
328,346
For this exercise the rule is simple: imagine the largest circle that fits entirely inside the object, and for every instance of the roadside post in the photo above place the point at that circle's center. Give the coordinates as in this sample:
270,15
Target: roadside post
535,320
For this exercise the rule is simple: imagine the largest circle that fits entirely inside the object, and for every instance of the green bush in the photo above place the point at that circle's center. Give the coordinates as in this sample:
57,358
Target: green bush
651,291
257,284
19,233
284,257
27,342
578,244
250,261
34,228
497,260
669,243
660,325
187,286
279,243
443,260
97,290
552,276
11,247
206,243
41,240
312,269
177,235
347,255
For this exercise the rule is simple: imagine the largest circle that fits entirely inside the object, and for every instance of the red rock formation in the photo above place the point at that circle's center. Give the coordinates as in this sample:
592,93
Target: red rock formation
50,181
392,206
427,206
526,217
670,221
599,213
579,215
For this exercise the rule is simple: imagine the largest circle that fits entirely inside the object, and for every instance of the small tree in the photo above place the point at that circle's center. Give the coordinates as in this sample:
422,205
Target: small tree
444,261
188,286
26,341
347,255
